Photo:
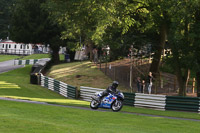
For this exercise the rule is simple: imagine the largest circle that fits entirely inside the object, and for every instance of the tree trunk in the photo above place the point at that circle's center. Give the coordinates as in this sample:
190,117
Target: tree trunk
197,53
198,83
180,80
183,81
157,56
90,47
55,58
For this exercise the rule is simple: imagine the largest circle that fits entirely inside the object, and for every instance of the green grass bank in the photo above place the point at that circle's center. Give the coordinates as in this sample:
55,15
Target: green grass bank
24,117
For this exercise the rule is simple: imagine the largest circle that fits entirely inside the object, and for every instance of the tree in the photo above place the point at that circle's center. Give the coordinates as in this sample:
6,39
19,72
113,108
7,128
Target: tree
98,23
87,19
195,30
31,24
183,42
5,13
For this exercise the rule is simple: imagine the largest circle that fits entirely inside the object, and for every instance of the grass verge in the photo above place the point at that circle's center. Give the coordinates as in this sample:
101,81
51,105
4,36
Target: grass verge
24,117
33,56
7,57
16,84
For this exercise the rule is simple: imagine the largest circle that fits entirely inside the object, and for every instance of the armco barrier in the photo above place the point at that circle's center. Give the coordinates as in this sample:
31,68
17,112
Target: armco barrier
30,62
150,101
129,98
158,102
87,92
199,107
59,87
183,103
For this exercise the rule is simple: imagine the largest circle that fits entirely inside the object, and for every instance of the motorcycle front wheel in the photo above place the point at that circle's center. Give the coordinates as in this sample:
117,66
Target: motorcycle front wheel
117,105
94,104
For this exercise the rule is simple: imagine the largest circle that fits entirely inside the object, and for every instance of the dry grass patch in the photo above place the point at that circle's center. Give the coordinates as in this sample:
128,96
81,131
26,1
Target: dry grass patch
81,74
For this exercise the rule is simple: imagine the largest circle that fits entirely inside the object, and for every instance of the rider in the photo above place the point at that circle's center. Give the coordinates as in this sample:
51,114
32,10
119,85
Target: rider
111,89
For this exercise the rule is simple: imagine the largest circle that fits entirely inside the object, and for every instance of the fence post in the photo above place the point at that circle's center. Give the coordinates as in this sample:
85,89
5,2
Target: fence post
193,85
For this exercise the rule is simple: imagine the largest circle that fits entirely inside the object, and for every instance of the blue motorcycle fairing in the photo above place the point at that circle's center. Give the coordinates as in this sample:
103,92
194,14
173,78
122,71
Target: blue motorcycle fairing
107,101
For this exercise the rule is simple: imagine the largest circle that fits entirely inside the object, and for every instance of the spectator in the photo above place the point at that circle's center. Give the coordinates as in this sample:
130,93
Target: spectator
95,53
139,84
40,49
149,82
143,86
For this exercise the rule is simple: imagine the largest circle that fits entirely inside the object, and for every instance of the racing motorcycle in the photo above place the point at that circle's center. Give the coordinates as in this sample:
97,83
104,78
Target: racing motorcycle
112,101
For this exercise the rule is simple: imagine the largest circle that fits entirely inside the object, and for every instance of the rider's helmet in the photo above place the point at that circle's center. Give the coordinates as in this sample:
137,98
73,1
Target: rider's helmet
115,84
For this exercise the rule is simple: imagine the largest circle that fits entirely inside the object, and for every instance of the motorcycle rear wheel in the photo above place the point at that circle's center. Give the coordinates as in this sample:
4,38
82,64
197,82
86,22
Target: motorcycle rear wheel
94,104
117,105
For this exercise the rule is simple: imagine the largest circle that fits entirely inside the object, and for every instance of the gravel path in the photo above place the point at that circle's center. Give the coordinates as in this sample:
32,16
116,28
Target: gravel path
101,110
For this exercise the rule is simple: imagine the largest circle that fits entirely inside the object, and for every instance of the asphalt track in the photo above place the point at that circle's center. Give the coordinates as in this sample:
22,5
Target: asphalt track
101,110
8,65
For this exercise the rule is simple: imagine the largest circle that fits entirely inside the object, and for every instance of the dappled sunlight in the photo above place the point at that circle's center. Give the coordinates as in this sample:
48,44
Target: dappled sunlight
58,101
5,85
93,67
69,68
62,72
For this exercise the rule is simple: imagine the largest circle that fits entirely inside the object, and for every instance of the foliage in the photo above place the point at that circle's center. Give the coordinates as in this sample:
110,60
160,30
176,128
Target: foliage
5,14
117,24
31,24
183,38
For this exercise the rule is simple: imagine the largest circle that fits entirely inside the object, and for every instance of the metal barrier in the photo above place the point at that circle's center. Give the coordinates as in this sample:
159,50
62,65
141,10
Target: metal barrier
129,98
87,92
199,107
59,87
31,61
158,102
183,103
150,101
15,51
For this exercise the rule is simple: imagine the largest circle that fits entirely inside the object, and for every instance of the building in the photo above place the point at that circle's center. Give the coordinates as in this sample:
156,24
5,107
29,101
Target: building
10,47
